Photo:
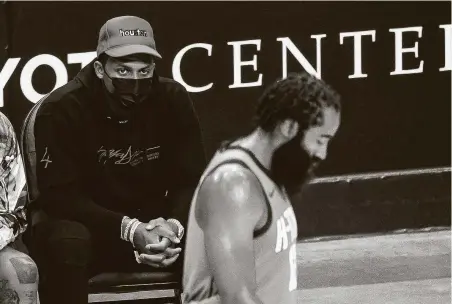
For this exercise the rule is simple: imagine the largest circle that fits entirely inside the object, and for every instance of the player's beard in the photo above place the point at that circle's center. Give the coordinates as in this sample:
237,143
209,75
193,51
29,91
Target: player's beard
292,166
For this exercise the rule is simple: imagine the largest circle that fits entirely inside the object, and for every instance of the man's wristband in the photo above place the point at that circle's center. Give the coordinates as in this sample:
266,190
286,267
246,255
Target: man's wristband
124,222
132,231
180,228
128,227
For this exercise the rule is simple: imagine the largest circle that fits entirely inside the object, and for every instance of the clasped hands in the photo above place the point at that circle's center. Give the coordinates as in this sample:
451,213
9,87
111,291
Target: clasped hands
156,243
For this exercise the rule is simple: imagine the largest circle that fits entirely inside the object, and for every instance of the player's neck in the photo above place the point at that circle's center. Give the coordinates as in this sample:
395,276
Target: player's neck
261,145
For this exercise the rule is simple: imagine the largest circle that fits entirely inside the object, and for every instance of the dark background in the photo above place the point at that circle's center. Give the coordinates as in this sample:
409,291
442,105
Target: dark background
388,122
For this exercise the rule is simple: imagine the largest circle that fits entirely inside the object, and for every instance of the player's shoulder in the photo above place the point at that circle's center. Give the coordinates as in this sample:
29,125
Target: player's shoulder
230,193
6,129
234,173
4,121
234,182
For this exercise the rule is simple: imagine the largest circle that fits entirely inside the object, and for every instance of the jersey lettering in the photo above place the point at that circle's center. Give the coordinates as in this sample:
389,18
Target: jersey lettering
282,241
285,224
290,217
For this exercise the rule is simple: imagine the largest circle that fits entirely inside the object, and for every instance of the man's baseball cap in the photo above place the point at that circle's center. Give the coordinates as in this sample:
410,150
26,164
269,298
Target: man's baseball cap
126,35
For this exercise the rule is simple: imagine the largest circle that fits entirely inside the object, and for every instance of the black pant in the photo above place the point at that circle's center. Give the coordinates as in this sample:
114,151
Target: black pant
67,255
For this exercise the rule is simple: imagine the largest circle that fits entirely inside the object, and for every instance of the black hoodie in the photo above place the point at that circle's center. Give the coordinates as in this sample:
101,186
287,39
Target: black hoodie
94,168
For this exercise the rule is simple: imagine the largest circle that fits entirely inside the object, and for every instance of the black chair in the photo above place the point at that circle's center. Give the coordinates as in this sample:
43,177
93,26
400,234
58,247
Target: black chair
105,287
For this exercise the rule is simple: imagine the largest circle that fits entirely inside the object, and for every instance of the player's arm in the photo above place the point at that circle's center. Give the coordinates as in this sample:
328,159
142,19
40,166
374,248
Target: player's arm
13,190
228,209
61,173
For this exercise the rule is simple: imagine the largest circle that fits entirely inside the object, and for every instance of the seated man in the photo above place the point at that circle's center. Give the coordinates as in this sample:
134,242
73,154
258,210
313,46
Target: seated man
18,272
118,157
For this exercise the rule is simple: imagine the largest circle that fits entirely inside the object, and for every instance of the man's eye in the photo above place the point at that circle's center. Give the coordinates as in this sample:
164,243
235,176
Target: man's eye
145,71
121,71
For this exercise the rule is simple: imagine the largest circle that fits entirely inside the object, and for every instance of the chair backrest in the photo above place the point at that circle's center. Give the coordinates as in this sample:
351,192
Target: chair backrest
28,147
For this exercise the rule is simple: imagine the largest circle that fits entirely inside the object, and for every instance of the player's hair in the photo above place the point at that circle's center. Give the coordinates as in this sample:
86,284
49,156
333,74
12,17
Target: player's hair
299,96
103,58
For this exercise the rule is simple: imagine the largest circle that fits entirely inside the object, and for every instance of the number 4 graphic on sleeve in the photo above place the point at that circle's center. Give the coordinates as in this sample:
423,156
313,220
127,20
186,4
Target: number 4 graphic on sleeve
46,159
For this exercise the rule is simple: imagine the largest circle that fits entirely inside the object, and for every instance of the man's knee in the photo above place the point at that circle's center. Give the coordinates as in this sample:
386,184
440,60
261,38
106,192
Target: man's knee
17,268
61,241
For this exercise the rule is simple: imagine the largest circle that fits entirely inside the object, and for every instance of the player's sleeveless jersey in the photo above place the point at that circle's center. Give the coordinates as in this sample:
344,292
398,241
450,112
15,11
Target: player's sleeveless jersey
274,246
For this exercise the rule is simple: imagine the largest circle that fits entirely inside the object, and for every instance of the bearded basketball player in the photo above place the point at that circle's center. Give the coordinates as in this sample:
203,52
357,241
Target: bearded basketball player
242,230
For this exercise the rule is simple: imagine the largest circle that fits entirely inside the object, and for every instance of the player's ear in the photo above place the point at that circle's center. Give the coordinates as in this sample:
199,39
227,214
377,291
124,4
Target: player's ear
289,128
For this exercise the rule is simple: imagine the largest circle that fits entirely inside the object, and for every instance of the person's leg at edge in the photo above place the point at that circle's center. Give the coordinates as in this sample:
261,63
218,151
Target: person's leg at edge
62,251
18,277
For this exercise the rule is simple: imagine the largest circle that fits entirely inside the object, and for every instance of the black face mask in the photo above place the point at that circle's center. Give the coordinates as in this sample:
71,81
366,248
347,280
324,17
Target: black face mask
292,166
130,92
